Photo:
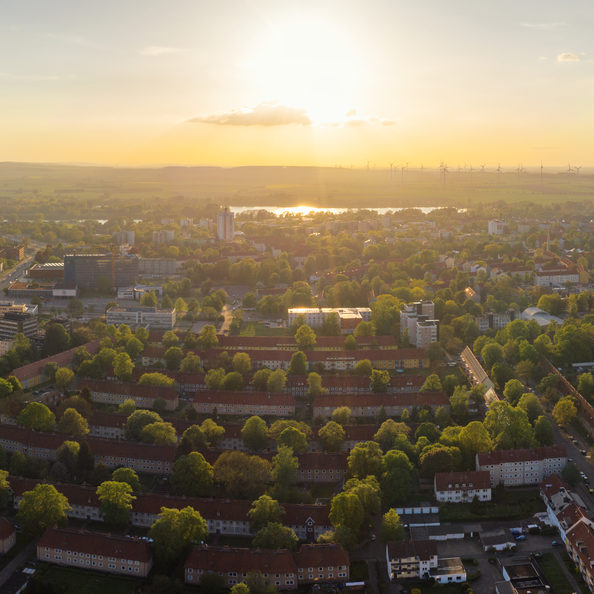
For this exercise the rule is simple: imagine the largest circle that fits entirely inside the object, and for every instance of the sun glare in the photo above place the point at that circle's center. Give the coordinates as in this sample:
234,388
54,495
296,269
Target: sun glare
308,64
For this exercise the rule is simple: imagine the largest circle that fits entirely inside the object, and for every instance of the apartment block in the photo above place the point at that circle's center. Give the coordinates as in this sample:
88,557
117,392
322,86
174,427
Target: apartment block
462,487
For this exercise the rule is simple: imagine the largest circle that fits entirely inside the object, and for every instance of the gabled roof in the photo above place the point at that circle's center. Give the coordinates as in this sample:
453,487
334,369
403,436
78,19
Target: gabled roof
224,559
96,543
455,481
525,455
423,549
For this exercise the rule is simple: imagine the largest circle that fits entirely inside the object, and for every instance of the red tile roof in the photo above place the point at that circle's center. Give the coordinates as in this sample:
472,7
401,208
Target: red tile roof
61,359
128,389
571,514
581,539
245,398
454,481
386,399
96,543
7,528
315,555
225,559
552,485
423,549
503,456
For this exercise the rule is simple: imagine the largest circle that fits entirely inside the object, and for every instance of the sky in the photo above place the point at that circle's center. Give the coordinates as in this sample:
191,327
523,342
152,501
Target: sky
273,82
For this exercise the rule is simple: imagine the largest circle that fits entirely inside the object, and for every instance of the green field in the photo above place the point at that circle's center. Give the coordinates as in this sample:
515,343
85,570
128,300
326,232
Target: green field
77,581
554,574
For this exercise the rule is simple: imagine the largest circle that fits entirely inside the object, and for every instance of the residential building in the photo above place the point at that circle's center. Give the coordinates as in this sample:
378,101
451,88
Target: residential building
13,252
418,323
100,270
348,317
462,487
94,550
163,237
494,320
523,577
245,403
14,322
7,535
496,227
370,405
411,559
125,237
141,316
225,225
50,271
159,266
556,278
580,547
33,374
326,563
107,392
522,467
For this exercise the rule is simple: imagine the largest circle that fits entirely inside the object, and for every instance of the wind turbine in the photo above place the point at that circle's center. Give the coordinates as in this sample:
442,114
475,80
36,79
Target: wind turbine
499,172
483,168
402,168
541,168
444,170
569,169
577,170
391,169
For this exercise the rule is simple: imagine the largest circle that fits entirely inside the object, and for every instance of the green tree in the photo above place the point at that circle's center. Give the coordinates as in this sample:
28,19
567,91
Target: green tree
207,338
174,531
331,437
260,379
134,347
585,385
159,433
42,507
298,364
57,339
543,431
571,474
396,477
254,433
391,528
115,500
432,384
123,366
388,431
214,433
350,343
137,421
439,458
5,490
240,588
492,353
474,438
379,380
275,536
170,339
305,338
342,415
530,404
363,368
276,381
192,476
242,363
314,385
552,304
156,379
365,459
193,439
173,357
513,391
127,407
126,475
429,430
64,377
293,438
233,381
346,510
284,473
242,475
72,423
5,388
509,427
565,411
385,315
37,416
264,510
214,379
191,364
49,371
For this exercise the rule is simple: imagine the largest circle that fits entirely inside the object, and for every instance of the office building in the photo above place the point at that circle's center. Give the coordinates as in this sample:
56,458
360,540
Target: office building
93,271
15,322
225,225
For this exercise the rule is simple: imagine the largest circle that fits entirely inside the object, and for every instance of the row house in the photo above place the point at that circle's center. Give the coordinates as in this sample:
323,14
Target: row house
33,374
288,343
462,487
322,467
7,535
280,568
107,392
245,403
580,547
522,467
222,516
552,278
145,458
370,405
120,555
354,384
561,502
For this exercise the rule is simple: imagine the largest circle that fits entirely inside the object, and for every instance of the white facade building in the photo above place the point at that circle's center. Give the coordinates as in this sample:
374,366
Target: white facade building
496,227
225,225
462,487
135,316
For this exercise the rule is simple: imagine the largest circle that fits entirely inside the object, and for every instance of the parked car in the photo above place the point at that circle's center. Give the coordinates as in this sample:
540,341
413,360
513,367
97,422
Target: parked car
520,537
556,543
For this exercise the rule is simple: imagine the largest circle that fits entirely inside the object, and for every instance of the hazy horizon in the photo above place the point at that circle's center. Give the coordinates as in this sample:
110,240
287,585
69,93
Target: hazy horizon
264,83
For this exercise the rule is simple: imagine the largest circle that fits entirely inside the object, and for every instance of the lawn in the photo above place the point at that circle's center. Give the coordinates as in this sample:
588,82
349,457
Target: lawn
554,574
77,581
257,329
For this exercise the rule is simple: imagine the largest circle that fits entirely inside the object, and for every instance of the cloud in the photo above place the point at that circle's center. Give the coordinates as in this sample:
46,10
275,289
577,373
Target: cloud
353,120
568,57
160,50
543,26
263,114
